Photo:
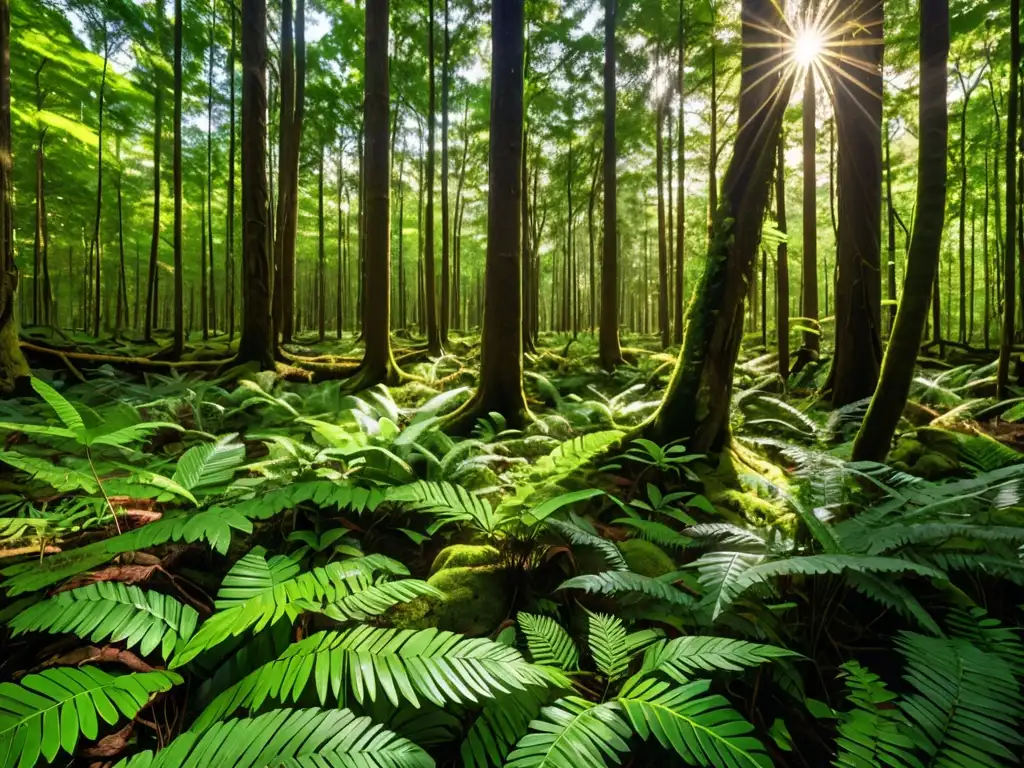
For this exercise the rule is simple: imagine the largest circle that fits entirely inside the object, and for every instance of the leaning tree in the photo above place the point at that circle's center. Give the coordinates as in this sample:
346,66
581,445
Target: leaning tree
696,404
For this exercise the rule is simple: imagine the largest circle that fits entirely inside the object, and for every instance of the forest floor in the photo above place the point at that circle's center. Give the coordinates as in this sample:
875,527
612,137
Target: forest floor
192,526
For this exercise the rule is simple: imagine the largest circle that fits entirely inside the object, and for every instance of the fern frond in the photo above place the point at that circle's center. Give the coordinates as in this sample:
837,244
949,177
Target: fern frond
682,657
895,596
450,503
342,590
718,573
702,729
984,632
628,583
573,732
612,647
299,738
727,534
814,565
115,612
495,731
967,704
50,711
656,532
873,733
441,667
548,642
576,535
209,464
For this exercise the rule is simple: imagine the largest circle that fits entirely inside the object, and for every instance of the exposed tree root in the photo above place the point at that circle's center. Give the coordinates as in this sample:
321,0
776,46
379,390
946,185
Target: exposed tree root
141,364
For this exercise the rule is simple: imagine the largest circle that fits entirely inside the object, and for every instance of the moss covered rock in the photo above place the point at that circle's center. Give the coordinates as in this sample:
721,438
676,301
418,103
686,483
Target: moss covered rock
646,558
932,466
475,601
464,556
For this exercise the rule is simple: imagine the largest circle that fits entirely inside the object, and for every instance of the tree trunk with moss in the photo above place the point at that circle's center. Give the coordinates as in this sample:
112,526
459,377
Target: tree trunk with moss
13,368
608,344
875,436
501,354
378,362
858,304
256,342
696,404
782,266
1009,251
178,343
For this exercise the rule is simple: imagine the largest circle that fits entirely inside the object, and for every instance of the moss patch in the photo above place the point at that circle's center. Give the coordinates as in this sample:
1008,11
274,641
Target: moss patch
476,600
646,558
464,556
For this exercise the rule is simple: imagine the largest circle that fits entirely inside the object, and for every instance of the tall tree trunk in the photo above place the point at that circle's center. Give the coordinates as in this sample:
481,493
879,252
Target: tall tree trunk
891,217
229,235
178,344
873,440
421,315
94,249
663,321
680,298
151,294
501,355
858,98
782,266
39,244
809,261
339,307
608,343
962,215
529,296
211,312
256,342
591,203
445,224
987,314
204,319
1009,249
378,363
122,282
321,273
713,138
696,404
401,243
434,346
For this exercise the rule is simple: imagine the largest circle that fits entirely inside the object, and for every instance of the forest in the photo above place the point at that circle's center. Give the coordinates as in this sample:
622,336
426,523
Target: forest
523,383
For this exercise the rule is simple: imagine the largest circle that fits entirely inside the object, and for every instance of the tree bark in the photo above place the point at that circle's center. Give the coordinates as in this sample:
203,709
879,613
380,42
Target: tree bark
782,266
178,344
229,235
1009,249
445,224
94,249
608,344
321,276
696,404
39,243
809,261
434,346
501,357
663,320
887,404
256,342
677,333
858,99
211,311
378,363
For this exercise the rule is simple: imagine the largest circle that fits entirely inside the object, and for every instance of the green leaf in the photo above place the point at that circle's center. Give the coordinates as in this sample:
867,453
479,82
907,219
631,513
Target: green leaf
65,411
573,733
548,642
73,697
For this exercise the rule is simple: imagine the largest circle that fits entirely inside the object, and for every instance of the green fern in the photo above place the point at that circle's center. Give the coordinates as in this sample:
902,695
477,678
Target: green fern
576,532
47,713
719,573
966,706
548,642
259,594
572,733
874,732
630,584
209,464
450,503
115,612
440,667
703,730
302,738
495,731
612,647
682,657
